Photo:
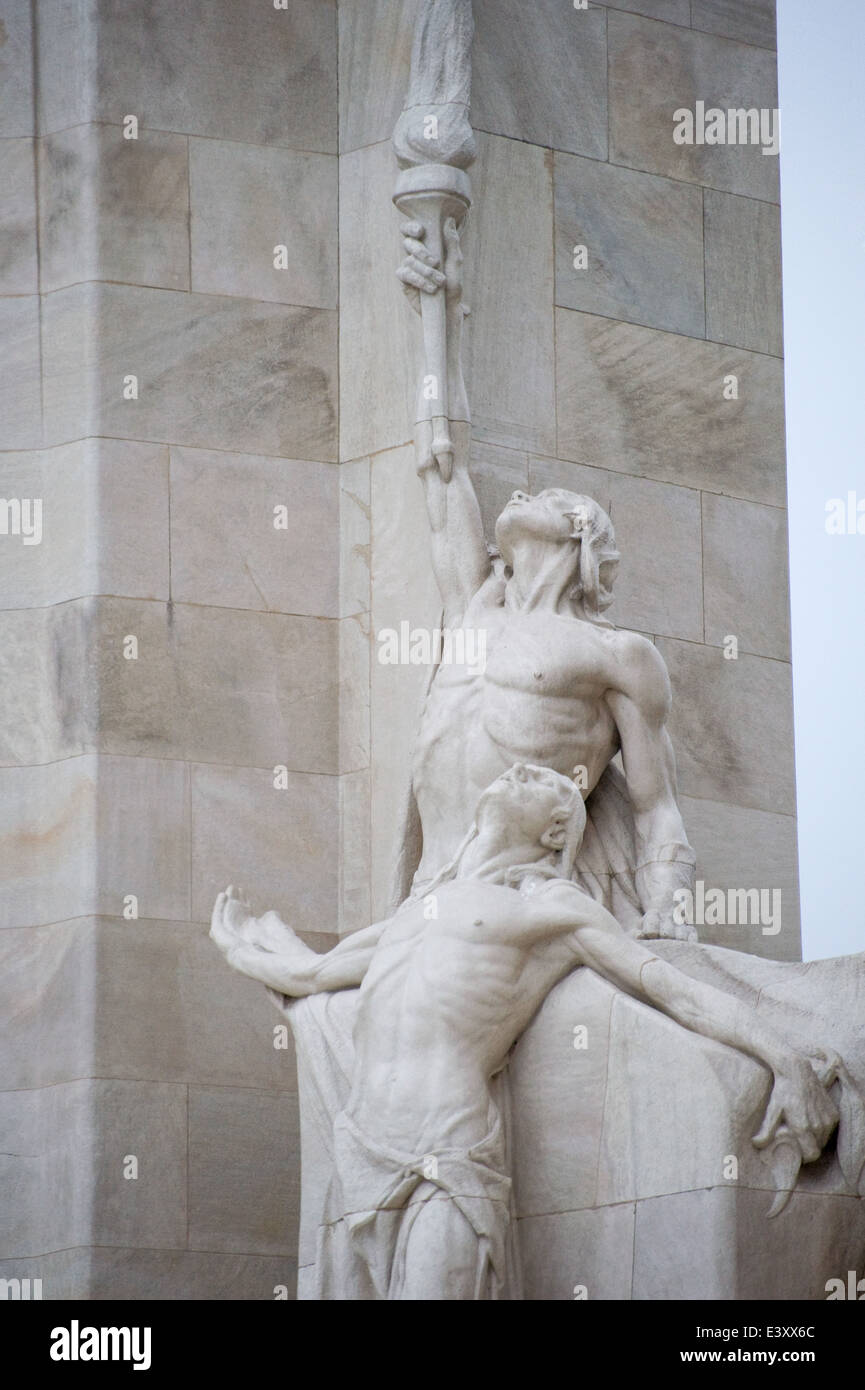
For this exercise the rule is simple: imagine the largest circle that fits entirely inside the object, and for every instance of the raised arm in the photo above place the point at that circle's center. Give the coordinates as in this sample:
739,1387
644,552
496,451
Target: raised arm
640,705
460,558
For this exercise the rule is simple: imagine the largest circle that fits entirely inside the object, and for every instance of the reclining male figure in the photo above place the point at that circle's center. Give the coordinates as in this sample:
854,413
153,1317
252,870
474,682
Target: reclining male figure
447,985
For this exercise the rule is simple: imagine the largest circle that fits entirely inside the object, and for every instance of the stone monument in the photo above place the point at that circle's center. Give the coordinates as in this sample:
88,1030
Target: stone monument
436,1047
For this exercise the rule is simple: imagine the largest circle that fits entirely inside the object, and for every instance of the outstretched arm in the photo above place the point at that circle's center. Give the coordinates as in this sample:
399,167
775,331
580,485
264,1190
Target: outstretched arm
459,551
665,861
799,1097
266,949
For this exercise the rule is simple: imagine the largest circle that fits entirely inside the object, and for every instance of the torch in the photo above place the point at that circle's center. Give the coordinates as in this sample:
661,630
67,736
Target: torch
434,145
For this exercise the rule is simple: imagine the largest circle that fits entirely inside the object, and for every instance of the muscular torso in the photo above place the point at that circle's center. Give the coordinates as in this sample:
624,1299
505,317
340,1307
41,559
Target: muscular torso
540,699
442,1003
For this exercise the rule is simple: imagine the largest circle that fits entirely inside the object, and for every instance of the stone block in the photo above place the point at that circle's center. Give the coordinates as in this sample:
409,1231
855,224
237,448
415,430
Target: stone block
245,201
379,340
213,1027
135,1275
16,69
226,547
550,1079
18,268
20,390
643,237
745,573
73,1142
375,39
66,56
189,1275
509,284
659,583
281,845
738,847
49,702
75,839
653,404
64,1274
741,751
591,1249
752,21
656,70
658,1137
256,74
114,209
104,522
674,11
354,857
45,1144
217,685
130,526
659,1115
244,1170
48,994
540,74
142,841
743,272
354,692
47,835
213,372
354,537
146,1120
828,1240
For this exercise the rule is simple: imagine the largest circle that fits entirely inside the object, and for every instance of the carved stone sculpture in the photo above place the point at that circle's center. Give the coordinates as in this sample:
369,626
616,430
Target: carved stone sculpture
561,687
420,1206
530,863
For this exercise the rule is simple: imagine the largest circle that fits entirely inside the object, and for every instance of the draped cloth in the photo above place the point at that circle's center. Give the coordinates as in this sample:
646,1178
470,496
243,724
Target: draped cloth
378,1193
375,1192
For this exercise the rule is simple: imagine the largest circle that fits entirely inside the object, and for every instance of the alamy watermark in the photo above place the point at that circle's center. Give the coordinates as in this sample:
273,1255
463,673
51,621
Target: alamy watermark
845,516
719,907
853,1288
21,1290
21,516
77,1343
425,646
736,126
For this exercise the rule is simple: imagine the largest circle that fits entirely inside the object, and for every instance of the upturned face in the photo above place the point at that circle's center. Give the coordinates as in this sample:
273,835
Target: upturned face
551,516
528,805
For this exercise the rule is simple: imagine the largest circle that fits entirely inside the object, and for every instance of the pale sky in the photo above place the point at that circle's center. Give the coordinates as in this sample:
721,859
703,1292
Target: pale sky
821,53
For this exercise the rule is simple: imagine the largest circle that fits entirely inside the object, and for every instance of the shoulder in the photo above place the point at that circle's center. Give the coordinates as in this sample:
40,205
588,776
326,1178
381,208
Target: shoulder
638,671
558,895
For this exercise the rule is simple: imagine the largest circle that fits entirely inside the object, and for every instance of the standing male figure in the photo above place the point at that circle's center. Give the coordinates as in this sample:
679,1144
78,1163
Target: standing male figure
561,686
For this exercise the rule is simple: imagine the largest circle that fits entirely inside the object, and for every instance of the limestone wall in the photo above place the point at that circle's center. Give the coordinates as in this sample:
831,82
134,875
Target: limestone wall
154,777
